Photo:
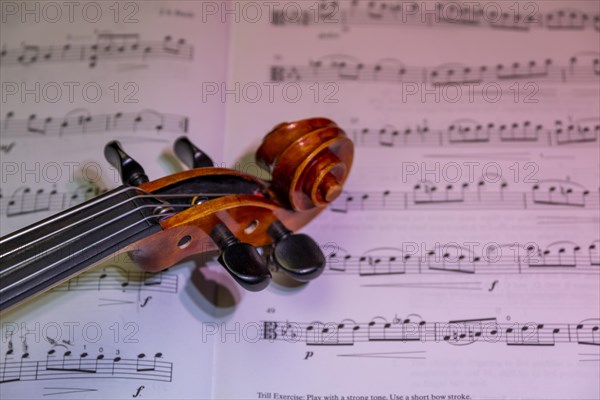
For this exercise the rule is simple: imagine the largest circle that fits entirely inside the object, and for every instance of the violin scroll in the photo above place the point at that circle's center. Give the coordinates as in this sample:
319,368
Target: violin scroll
309,161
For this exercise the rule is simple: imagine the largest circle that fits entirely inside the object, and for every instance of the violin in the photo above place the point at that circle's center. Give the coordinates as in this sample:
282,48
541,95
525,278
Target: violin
159,223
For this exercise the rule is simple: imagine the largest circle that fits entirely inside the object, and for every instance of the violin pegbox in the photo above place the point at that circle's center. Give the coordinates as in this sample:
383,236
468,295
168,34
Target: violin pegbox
309,161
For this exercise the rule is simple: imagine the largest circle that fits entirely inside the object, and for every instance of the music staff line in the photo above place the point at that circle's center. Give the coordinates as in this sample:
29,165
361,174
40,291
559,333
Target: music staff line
459,332
470,132
82,122
83,366
113,277
563,257
583,67
25,201
108,47
427,197
411,14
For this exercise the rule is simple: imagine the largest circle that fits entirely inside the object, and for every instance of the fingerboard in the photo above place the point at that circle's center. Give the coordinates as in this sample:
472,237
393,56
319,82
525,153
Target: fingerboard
41,256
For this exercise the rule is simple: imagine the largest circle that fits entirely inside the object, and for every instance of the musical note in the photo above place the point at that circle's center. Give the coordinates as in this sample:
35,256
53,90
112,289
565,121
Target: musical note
108,47
340,68
547,195
171,47
561,257
456,332
28,55
427,193
581,131
81,122
413,14
113,277
39,130
25,201
559,193
84,366
145,365
469,132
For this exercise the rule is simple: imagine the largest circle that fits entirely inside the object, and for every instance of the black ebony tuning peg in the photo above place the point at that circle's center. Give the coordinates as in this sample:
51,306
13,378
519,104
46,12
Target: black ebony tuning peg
296,254
241,260
191,155
130,170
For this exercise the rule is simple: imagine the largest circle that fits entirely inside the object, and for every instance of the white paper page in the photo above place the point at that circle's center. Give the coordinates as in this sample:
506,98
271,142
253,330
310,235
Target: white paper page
463,256
75,76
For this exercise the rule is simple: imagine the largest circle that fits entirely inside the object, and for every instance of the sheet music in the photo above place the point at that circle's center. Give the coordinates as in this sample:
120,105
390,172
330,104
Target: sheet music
463,256
71,82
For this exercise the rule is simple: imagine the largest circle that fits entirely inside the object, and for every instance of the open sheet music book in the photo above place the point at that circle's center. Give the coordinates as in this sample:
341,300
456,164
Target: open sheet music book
463,258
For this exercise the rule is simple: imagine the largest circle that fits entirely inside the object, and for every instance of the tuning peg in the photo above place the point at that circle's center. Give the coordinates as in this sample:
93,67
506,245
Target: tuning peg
191,155
241,260
296,254
130,170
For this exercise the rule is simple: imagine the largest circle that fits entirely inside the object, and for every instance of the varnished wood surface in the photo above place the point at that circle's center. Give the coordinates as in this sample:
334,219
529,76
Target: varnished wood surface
310,160
237,212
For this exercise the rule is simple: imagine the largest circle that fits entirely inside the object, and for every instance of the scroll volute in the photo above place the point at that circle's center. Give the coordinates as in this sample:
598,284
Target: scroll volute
309,161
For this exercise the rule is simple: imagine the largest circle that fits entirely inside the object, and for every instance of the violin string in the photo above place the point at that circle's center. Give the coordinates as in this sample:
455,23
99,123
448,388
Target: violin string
97,214
87,205
68,212
73,238
137,208
184,195
32,242
36,273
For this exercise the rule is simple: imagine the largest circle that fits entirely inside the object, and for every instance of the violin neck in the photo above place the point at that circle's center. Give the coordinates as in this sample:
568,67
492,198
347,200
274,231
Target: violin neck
43,255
